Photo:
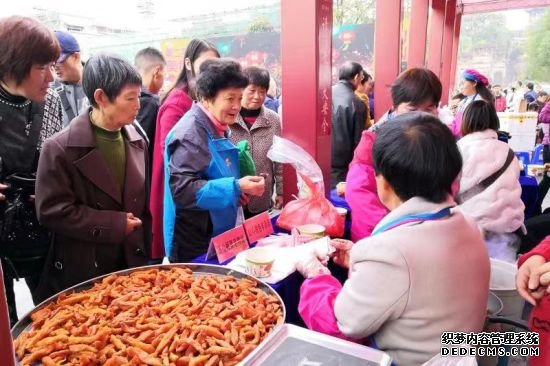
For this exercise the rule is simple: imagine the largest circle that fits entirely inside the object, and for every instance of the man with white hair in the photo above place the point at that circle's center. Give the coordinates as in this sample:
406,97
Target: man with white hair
271,100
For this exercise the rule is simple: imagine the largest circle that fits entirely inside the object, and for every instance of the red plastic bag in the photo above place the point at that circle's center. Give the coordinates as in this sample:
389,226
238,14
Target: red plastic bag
315,209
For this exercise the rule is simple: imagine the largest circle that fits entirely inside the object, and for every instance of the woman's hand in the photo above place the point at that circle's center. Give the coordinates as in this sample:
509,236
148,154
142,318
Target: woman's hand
310,266
244,199
341,189
278,202
532,279
545,276
132,223
341,256
2,188
252,185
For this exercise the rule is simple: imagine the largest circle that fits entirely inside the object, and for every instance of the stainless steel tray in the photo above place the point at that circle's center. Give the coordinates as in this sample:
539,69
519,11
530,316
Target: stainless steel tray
290,345
25,323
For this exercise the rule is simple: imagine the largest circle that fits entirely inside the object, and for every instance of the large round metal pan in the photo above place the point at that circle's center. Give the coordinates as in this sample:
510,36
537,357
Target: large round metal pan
25,323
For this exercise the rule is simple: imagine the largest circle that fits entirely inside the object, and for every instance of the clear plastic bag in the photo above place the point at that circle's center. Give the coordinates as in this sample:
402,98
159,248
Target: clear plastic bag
281,240
312,207
287,152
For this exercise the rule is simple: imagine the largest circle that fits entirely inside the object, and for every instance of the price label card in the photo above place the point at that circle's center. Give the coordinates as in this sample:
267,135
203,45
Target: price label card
230,243
258,227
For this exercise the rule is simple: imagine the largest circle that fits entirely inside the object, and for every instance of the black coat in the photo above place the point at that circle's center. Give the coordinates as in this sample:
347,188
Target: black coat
348,121
147,117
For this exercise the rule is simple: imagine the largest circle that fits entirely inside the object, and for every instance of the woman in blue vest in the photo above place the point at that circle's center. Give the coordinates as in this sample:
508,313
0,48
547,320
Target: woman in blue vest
202,172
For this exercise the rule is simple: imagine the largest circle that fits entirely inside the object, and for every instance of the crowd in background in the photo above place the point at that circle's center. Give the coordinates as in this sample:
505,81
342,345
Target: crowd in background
100,173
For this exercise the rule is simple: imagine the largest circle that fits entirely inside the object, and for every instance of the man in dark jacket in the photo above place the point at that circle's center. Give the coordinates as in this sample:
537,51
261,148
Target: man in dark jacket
531,94
348,120
150,64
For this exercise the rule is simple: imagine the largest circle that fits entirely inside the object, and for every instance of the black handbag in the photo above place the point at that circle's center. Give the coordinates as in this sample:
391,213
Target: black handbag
23,242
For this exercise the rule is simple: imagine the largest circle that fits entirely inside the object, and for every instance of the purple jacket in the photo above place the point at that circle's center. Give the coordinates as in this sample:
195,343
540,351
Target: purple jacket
544,117
544,114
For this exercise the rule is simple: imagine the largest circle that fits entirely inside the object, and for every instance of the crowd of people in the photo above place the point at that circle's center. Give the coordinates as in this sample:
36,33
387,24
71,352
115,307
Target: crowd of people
485,190
100,173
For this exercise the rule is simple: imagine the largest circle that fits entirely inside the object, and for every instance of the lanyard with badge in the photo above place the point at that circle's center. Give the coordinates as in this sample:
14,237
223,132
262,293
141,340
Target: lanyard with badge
403,220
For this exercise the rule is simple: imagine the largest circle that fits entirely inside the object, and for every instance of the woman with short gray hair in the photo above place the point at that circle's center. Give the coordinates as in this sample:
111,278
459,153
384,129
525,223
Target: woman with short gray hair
92,182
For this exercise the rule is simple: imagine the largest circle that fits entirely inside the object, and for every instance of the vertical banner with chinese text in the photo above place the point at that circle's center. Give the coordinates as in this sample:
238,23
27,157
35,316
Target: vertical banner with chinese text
325,66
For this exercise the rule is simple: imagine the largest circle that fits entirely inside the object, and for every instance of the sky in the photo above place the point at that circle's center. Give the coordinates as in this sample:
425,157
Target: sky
516,19
125,12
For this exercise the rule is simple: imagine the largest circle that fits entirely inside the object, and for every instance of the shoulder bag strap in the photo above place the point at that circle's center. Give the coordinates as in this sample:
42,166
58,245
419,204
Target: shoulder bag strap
481,186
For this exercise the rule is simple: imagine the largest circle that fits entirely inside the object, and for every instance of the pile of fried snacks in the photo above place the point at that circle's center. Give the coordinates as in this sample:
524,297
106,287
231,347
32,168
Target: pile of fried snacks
152,317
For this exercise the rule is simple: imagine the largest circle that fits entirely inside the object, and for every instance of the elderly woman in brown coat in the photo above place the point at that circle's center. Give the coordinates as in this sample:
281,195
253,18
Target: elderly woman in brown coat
92,185
258,124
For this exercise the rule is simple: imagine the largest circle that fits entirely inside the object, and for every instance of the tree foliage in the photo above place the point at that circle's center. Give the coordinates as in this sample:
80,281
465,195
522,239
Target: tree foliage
353,11
538,48
260,25
485,31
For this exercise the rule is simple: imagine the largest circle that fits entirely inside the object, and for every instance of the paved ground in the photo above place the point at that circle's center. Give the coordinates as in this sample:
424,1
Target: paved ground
22,298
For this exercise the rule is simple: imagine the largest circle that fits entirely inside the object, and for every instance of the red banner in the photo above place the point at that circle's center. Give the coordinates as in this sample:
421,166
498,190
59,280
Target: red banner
258,227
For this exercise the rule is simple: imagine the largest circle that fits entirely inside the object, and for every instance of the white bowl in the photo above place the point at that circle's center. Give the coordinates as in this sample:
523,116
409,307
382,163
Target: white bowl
536,170
313,230
259,261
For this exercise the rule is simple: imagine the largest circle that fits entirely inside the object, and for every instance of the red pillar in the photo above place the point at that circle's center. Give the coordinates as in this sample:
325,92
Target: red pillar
454,58
6,345
447,50
386,52
435,30
418,33
306,49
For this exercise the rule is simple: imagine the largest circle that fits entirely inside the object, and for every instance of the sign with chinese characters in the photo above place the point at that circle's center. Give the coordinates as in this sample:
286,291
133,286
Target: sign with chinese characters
230,243
325,67
258,227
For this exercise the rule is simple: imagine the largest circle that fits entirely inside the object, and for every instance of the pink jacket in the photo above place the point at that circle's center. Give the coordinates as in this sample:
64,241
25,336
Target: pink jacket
457,122
170,112
540,316
500,103
393,280
317,296
361,193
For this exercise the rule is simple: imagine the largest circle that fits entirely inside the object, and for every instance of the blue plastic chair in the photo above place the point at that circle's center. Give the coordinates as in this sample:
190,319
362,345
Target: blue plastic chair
537,155
524,157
